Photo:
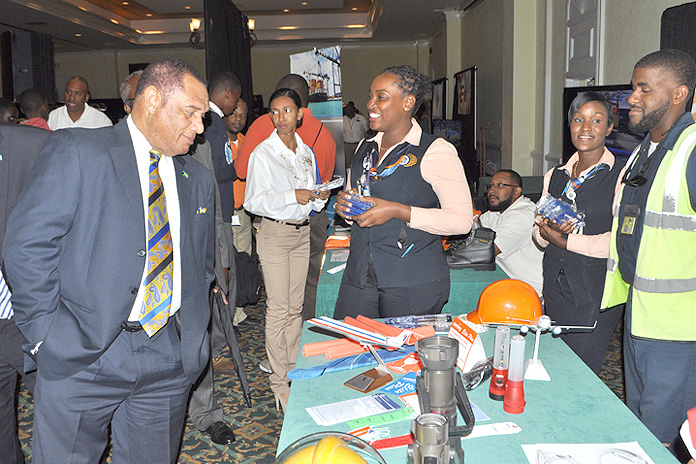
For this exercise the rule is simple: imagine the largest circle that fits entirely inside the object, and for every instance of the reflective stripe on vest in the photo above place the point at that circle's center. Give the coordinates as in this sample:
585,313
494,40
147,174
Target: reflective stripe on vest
664,287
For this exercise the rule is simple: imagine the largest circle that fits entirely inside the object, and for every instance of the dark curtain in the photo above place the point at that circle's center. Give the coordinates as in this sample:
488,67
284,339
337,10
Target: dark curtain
27,62
227,45
678,28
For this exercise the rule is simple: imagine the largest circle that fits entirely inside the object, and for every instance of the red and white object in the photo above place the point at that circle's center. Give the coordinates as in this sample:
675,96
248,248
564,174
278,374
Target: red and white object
471,348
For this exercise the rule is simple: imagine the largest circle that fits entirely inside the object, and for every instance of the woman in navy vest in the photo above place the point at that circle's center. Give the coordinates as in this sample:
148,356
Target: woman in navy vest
575,260
417,184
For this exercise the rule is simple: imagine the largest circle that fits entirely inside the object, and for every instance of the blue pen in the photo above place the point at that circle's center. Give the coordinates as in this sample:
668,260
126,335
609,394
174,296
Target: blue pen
407,250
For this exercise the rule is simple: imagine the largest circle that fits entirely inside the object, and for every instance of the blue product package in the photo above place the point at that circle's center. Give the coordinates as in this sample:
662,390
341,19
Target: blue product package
358,205
559,211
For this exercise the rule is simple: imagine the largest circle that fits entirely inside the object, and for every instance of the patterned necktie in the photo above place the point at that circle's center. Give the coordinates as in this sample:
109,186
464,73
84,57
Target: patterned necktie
5,303
160,268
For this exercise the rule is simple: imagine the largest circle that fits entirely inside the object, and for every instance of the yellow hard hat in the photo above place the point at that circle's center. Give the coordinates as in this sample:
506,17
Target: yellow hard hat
507,301
329,448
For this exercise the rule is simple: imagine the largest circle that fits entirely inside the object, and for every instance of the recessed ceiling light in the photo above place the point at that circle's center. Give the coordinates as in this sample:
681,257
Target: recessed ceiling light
138,31
286,11
355,8
82,8
148,14
124,3
78,35
304,3
187,7
114,21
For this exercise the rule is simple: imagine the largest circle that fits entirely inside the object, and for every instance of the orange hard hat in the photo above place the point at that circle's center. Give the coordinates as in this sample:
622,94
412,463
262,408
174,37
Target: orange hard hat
507,301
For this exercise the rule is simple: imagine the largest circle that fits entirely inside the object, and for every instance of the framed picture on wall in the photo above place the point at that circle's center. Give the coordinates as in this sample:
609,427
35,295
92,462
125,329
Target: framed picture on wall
437,108
464,93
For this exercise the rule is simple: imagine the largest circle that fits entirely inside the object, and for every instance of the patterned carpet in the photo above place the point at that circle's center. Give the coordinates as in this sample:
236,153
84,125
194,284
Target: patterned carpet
257,429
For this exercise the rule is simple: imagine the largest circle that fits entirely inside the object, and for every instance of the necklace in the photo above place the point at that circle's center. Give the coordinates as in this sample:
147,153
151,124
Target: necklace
306,161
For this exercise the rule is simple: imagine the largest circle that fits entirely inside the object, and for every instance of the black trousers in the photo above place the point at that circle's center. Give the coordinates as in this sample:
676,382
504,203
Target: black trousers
375,302
11,364
590,345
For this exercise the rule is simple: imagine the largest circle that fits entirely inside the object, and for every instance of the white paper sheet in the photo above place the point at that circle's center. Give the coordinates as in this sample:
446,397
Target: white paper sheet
595,453
335,413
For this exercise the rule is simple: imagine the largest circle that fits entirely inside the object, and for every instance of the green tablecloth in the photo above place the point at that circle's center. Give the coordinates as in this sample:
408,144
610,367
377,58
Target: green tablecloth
574,407
466,286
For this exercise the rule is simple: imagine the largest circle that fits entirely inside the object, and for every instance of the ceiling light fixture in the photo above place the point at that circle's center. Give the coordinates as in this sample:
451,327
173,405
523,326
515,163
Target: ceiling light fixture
78,35
187,7
114,21
286,11
195,38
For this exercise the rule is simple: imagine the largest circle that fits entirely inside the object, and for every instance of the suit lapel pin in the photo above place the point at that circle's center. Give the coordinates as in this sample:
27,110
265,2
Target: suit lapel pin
201,210
185,174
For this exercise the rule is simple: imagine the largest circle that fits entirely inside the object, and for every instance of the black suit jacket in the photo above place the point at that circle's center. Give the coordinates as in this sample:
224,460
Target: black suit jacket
19,149
75,245
225,174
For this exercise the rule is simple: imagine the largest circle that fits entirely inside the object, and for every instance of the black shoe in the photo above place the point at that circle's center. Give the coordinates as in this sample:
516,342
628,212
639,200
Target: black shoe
220,433
476,252
248,322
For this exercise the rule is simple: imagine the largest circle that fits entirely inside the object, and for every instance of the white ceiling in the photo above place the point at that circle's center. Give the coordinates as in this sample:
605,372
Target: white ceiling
116,24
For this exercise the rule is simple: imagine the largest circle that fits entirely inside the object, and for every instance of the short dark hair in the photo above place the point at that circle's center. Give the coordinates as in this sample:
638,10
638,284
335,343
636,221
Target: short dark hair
6,105
291,94
514,177
81,79
167,75
30,101
411,82
223,81
126,86
298,84
675,62
586,97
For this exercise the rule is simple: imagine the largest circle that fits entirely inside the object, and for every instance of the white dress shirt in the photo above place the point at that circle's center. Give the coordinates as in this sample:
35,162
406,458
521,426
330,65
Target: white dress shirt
519,257
167,173
91,118
274,173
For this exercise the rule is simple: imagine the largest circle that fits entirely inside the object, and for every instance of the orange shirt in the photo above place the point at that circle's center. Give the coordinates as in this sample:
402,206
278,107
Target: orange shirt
238,185
312,132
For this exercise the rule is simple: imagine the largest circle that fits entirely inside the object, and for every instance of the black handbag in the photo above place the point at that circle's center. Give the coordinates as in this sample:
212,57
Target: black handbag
248,279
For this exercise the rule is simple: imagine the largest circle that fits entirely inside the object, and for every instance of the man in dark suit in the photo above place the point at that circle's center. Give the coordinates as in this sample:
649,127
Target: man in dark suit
110,255
19,149
206,414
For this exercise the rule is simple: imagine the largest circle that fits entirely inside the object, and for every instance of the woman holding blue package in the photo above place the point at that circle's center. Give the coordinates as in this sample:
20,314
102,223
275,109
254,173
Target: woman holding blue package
410,189
575,259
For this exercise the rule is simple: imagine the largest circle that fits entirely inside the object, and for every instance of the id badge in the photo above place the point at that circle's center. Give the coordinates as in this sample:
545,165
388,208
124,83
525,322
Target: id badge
628,222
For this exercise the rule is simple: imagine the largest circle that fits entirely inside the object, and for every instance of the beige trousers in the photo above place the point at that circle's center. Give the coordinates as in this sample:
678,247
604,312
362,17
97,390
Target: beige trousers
284,255
242,232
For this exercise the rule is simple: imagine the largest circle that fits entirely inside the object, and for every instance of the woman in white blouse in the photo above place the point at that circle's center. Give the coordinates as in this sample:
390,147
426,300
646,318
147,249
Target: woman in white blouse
280,188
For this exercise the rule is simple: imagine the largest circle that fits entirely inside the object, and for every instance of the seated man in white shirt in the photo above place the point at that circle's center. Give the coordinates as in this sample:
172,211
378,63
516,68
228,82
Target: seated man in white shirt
511,216
76,112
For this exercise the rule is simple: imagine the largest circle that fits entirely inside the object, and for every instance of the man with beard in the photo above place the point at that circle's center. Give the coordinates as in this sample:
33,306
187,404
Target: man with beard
511,215
652,263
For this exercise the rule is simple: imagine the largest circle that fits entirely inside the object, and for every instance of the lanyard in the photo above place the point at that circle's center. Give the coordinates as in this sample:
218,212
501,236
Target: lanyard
370,172
574,183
